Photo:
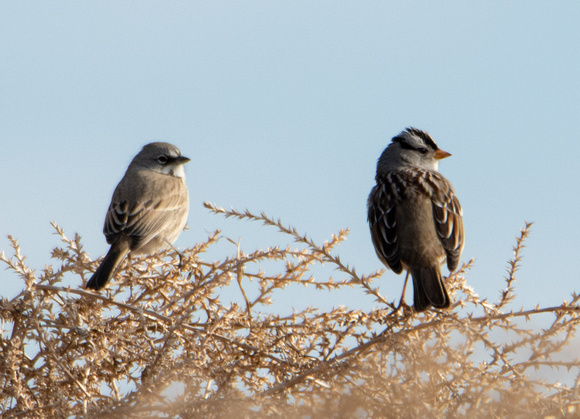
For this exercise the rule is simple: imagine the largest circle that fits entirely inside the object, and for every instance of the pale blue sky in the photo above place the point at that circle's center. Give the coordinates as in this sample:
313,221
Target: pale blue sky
284,107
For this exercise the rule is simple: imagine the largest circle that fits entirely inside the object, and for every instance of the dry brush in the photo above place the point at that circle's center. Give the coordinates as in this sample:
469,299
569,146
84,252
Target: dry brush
161,343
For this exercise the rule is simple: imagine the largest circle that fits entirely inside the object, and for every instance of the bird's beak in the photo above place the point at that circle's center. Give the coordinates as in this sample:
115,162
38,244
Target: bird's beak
441,154
182,160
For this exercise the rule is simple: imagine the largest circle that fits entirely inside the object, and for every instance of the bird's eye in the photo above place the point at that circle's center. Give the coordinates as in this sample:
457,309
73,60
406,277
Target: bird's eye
162,159
422,150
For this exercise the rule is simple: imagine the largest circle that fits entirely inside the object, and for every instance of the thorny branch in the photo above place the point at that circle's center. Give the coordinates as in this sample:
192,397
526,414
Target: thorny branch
166,339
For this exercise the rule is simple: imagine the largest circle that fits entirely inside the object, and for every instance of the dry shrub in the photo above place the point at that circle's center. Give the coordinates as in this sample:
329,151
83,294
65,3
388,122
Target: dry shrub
160,343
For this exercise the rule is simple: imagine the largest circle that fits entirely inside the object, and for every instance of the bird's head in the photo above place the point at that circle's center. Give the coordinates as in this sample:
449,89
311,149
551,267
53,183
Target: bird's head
411,148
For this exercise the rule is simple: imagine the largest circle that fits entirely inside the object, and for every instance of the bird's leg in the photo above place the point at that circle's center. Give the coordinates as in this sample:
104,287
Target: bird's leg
129,263
181,256
402,300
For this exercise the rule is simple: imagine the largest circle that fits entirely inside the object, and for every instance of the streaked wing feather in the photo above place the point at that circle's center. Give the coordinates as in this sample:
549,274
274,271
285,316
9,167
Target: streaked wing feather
383,225
447,214
144,220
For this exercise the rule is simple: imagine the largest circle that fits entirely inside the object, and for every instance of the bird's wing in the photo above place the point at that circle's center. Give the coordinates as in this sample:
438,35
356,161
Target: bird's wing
141,219
381,207
447,215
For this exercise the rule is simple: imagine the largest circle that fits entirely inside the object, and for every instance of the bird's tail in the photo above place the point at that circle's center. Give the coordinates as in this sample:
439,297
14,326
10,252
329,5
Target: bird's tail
429,288
108,266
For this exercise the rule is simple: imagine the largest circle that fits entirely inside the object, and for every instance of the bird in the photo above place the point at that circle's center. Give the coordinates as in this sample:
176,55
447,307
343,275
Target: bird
415,217
148,209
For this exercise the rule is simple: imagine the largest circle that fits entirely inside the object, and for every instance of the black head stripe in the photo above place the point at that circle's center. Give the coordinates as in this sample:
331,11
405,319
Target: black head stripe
424,136
403,143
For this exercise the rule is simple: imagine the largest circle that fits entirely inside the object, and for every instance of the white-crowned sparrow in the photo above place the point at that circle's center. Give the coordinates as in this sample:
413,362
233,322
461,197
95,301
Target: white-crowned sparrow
415,217
148,210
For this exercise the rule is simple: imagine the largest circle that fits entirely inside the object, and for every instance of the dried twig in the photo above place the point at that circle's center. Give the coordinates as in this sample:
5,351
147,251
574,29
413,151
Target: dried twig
163,340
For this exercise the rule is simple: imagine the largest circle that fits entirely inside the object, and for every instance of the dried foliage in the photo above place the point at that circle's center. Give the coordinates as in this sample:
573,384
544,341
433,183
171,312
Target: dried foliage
160,342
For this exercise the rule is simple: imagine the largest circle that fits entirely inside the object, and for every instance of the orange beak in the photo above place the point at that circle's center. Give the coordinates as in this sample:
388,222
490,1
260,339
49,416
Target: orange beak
441,154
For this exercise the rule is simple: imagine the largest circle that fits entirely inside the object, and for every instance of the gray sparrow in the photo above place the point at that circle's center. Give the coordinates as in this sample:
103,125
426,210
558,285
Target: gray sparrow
148,210
415,217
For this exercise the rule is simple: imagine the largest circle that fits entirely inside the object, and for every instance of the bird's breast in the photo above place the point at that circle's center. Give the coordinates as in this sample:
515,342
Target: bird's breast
416,235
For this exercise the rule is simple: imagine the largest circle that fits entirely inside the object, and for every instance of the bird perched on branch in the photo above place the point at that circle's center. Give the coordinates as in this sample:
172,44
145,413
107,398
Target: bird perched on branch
415,216
148,210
